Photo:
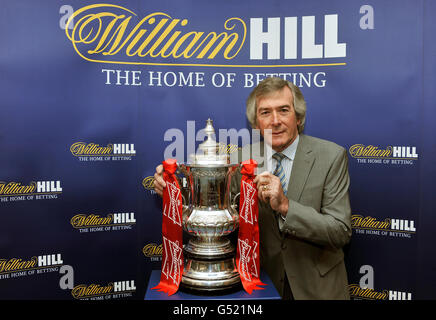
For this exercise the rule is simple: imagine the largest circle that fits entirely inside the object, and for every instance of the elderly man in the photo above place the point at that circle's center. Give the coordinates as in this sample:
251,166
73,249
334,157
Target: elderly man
304,212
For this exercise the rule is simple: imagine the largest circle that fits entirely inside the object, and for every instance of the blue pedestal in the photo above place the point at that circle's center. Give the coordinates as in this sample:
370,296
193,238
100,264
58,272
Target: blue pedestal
269,292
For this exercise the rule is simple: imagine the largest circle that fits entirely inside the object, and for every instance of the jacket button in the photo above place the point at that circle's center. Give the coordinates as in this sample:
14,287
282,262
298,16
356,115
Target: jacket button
284,246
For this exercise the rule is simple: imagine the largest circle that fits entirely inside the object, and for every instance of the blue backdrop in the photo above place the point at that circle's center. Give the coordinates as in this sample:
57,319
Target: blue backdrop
88,91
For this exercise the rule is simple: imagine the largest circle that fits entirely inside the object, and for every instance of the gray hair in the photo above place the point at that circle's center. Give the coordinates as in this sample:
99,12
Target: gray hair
268,86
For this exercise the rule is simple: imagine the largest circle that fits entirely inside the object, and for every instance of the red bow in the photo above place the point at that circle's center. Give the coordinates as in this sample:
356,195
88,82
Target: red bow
172,232
247,254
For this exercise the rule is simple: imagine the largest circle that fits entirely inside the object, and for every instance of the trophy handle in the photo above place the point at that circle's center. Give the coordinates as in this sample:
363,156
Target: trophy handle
186,203
232,199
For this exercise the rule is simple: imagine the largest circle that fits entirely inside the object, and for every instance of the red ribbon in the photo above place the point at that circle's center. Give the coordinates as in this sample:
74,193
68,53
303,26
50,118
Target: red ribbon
247,254
172,232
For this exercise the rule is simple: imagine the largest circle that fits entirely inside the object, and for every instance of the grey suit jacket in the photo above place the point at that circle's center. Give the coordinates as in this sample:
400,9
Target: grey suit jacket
308,245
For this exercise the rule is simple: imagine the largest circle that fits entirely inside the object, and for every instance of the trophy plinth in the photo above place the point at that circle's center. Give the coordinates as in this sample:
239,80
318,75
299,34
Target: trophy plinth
209,216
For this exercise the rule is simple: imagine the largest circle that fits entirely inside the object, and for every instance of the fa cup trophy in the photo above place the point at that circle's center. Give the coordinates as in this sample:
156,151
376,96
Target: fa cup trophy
207,210
209,217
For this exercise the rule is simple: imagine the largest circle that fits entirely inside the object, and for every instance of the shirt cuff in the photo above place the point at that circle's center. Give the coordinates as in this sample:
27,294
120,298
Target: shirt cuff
281,221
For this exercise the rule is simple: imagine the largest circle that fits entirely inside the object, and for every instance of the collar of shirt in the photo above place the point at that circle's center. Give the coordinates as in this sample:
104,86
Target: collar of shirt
289,152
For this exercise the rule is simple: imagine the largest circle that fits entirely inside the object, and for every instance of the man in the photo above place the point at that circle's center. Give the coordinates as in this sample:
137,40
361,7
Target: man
304,212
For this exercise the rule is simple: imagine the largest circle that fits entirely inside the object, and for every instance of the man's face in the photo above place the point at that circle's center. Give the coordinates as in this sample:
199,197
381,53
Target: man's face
276,112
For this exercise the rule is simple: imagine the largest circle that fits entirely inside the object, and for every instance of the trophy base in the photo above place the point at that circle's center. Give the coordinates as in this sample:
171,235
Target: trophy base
211,276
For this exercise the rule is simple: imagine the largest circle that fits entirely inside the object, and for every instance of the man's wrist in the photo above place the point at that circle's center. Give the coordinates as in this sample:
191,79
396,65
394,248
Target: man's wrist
284,208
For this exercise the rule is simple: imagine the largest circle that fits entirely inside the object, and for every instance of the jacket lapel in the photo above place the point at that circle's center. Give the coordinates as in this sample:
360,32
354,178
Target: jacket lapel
302,165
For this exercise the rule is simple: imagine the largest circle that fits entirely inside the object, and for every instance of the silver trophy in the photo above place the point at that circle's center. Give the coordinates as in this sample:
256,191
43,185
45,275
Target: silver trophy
209,215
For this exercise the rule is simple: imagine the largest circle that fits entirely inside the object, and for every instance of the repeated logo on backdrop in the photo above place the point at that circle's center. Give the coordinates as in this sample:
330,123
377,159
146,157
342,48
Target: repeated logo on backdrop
97,223
95,152
18,267
153,251
358,293
390,155
391,227
12,191
112,290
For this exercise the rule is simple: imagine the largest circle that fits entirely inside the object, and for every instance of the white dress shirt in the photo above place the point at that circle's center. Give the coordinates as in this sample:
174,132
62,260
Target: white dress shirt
287,163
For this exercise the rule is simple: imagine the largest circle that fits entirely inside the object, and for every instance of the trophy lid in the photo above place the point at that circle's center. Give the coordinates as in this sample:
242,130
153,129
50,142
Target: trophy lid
208,152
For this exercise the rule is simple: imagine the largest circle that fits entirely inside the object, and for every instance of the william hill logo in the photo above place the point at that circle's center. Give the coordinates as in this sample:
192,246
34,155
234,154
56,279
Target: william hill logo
96,223
153,251
108,33
95,152
113,290
358,293
369,154
17,267
35,190
392,227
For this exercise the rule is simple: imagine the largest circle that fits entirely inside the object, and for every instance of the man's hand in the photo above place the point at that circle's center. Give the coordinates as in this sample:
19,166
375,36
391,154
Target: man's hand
159,183
270,191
